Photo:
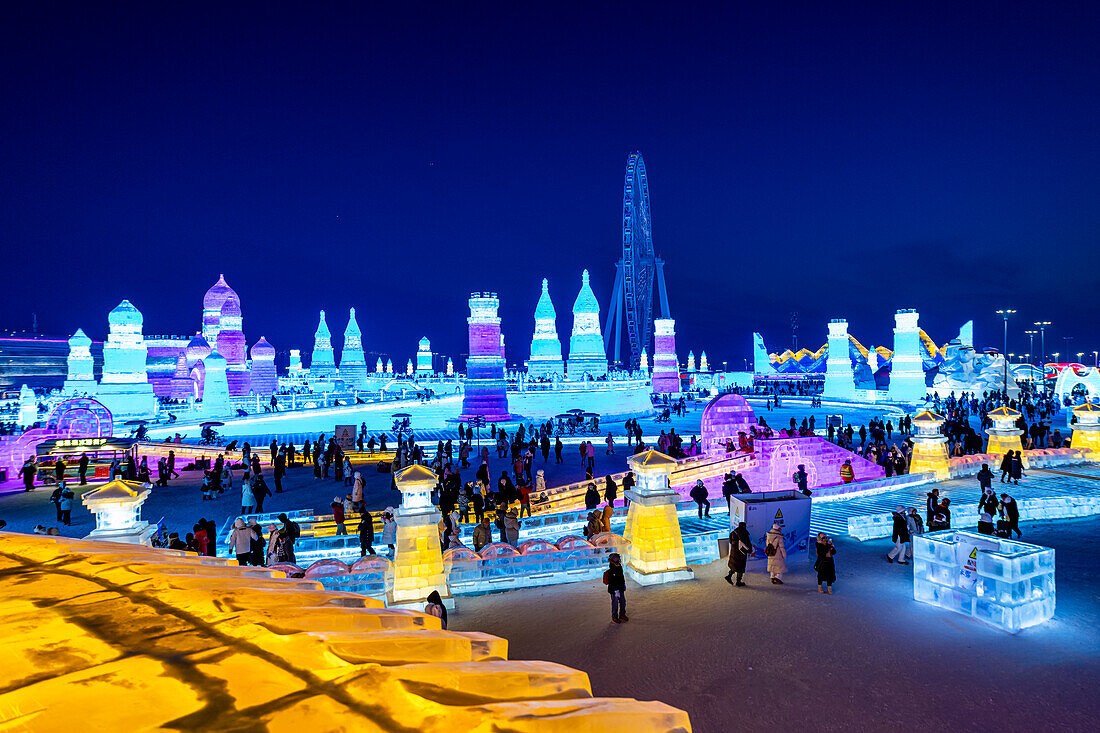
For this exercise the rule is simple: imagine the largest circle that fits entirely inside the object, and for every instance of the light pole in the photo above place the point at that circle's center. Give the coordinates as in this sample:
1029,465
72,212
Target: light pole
1042,341
1005,313
1096,358
1031,343
1079,355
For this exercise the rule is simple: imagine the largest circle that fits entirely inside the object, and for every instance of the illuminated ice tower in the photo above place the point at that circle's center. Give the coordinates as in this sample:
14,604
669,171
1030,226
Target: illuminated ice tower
1086,433
215,392
232,346
124,388
586,349
907,370
212,304
418,567
839,378
353,363
546,358
485,395
666,369
264,379
322,364
655,552
1004,435
929,445
424,358
80,377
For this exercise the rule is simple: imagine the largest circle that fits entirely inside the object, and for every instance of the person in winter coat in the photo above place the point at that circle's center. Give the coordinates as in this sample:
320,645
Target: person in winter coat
240,540
825,565
483,534
1010,510
511,527
699,495
389,529
540,482
985,478
605,518
1006,466
591,497
248,499
524,490
255,543
366,535
338,515
65,505
275,544
847,473
616,586
931,506
595,524
436,608
740,549
1016,467
776,550
942,518
358,484
915,525
900,536
610,491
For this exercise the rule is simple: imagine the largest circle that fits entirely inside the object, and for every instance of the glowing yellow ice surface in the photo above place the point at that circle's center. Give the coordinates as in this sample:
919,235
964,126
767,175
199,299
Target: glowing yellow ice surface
656,544
104,636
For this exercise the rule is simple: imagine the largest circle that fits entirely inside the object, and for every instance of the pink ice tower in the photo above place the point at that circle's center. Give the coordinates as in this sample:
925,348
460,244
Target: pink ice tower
232,346
486,395
666,370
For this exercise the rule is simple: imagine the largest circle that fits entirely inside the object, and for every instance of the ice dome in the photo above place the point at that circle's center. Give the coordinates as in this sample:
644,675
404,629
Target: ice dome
79,339
218,294
262,350
215,361
231,308
197,349
586,300
125,314
545,308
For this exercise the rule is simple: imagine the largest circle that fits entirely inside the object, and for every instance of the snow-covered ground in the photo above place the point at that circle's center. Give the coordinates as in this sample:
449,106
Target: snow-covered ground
786,658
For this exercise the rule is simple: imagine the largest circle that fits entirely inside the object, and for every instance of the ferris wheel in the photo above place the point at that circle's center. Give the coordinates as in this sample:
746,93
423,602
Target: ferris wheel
638,272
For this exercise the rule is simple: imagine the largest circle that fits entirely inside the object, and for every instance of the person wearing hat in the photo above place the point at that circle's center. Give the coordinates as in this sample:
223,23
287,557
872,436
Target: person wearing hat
389,529
511,527
900,536
338,516
776,551
825,565
740,549
847,473
615,581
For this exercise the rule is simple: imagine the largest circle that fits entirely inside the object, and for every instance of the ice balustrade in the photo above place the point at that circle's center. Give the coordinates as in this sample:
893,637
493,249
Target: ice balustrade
1007,584
865,527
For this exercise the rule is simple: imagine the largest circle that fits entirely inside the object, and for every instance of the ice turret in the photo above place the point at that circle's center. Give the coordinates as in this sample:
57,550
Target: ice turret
322,364
546,358
586,352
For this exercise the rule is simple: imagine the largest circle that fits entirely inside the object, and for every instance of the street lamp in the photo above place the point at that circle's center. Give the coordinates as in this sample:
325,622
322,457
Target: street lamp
1096,358
1079,355
1042,339
1005,313
1031,343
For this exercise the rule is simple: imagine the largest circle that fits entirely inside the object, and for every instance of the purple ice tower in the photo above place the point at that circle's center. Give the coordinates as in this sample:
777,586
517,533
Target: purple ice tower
486,395
666,369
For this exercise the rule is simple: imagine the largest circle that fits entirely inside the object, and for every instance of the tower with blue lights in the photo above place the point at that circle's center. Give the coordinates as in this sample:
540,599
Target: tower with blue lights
546,361
424,358
586,348
322,364
353,363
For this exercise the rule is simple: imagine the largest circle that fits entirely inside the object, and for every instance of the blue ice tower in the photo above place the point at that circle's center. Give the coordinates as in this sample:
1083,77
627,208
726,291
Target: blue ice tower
322,364
353,363
546,358
839,376
907,367
586,353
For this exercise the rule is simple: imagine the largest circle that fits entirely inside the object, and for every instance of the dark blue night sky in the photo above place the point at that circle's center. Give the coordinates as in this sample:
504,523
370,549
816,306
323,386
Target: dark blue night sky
835,159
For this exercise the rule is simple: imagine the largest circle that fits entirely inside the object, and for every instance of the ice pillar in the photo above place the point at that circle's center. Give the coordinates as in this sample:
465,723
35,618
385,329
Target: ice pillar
485,392
656,547
839,378
666,369
215,392
80,378
907,370
418,561
761,362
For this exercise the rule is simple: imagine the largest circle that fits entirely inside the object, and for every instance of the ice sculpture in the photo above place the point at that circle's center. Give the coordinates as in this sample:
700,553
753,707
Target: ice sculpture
353,363
80,378
1004,435
964,370
231,345
666,368
656,545
418,560
929,445
586,350
839,377
124,388
215,394
1074,375
322,364
117,509
212,303
486,395
263,379
704,365
691,361
1005,583
1086,433
546,358
424,358
724,419
907,368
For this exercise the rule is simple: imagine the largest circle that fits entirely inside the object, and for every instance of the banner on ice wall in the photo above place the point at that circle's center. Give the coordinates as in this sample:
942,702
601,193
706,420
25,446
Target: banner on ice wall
345,437
966,556
759,511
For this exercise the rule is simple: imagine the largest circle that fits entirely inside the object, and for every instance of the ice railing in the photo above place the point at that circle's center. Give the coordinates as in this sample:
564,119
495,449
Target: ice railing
1007,584
498,567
